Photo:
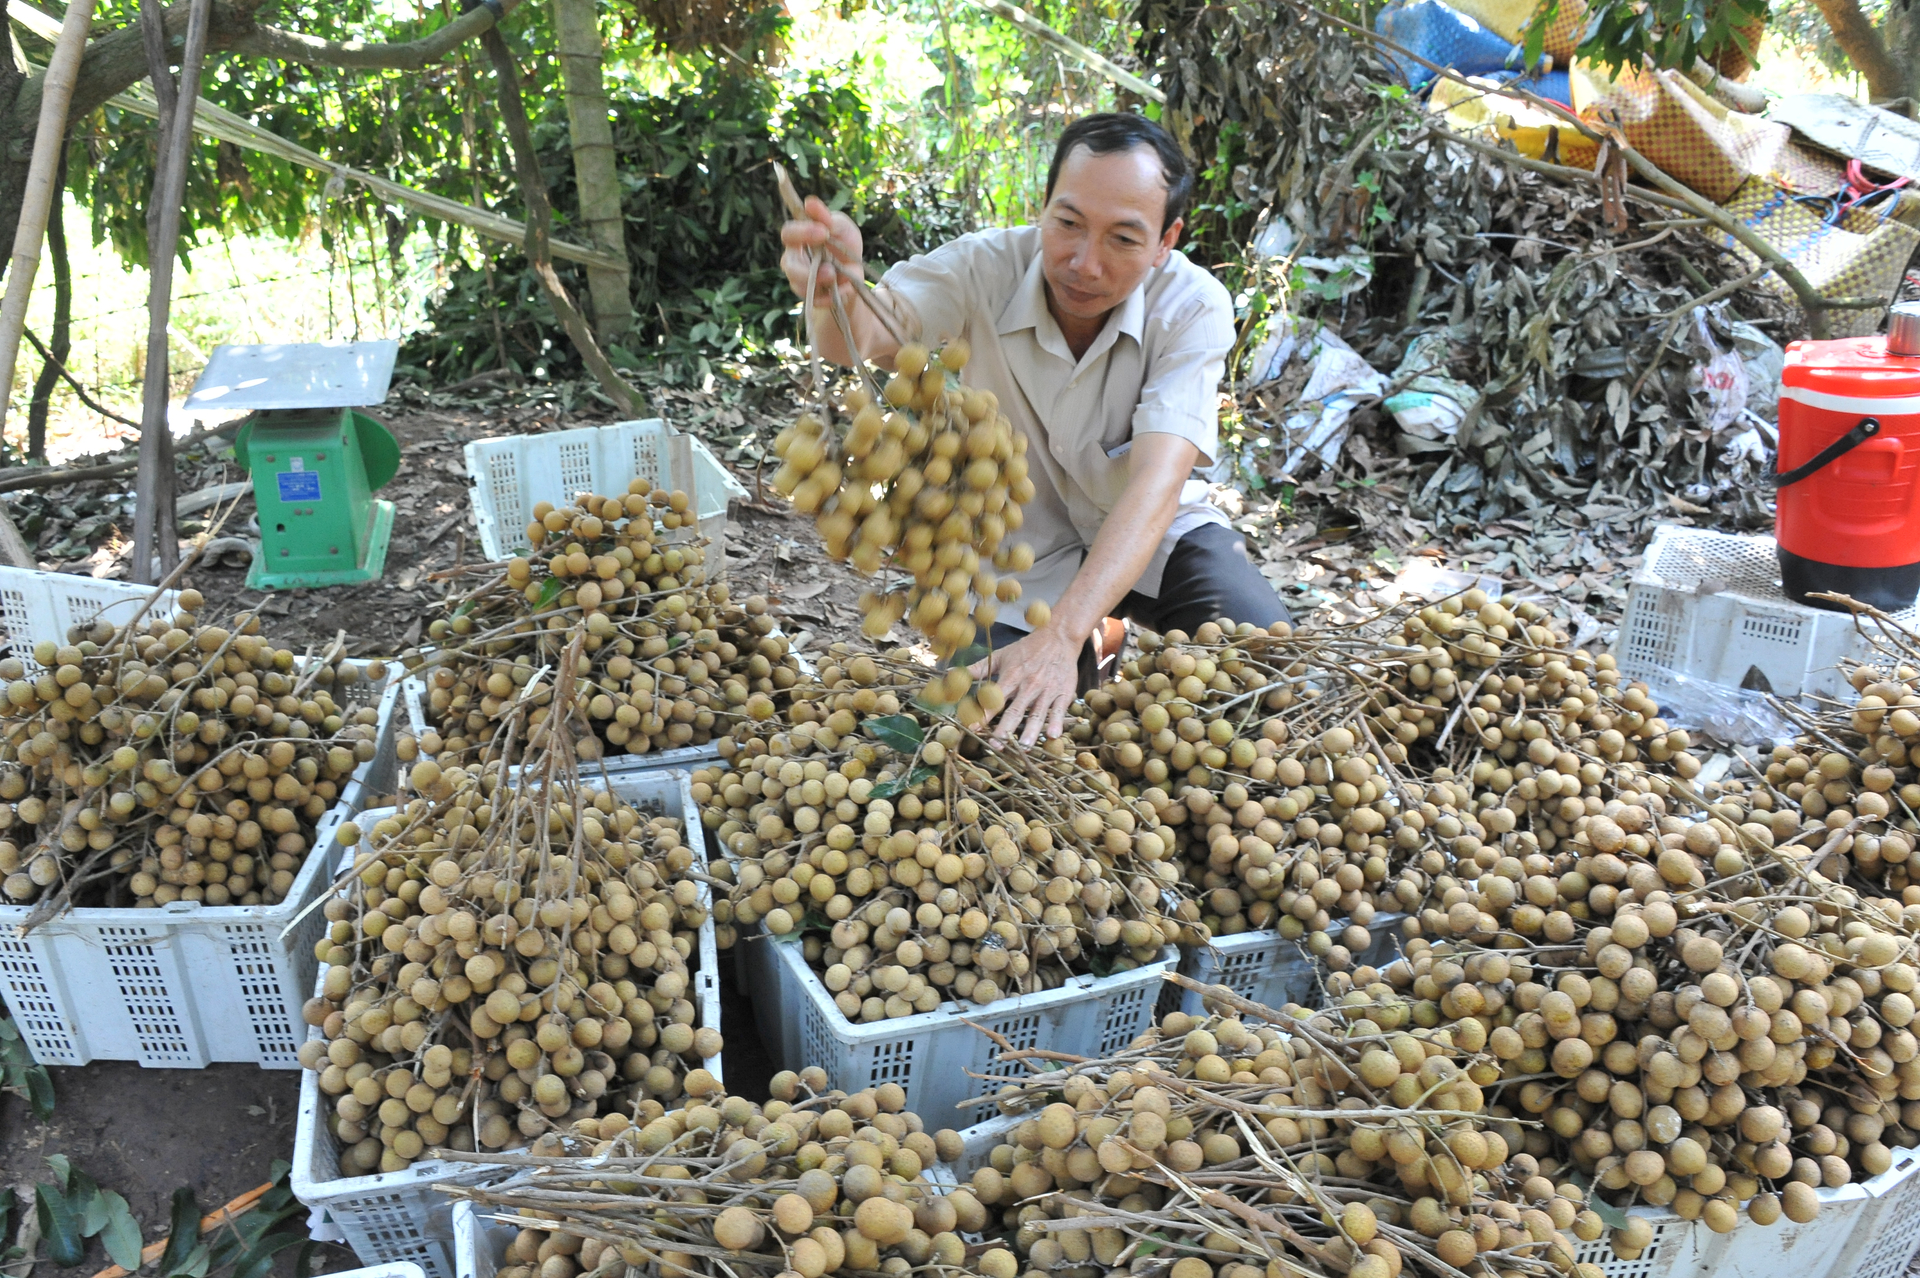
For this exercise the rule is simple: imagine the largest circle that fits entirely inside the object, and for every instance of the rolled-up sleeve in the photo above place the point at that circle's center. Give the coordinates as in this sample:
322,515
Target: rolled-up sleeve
1181,395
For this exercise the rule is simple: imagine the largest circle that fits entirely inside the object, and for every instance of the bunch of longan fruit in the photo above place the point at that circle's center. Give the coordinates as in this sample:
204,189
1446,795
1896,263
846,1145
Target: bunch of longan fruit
912,877
927,480
1212,1135
811,1183
176,761
503,964
670,659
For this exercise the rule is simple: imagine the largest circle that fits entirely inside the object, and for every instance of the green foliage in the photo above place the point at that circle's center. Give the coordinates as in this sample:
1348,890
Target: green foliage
431,129
73,1209
1672,33
20,1075
701,214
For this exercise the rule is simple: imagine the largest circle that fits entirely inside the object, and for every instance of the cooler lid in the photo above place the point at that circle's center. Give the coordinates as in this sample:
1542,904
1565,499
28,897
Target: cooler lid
1852,367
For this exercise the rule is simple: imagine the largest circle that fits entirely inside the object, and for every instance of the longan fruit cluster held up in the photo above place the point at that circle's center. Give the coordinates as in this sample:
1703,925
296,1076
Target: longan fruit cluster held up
812,1183
928,480
507,961
1213,1135
838,827
180,761
670,658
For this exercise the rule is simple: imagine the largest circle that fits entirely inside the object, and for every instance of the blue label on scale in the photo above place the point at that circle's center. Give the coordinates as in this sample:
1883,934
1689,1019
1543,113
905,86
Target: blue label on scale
299,485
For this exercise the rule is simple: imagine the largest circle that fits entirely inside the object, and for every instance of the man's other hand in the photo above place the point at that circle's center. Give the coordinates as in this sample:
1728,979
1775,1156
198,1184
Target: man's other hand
1040,676
841,238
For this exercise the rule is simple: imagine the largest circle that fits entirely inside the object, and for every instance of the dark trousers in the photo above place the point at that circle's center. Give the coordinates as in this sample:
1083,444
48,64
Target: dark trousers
1208,578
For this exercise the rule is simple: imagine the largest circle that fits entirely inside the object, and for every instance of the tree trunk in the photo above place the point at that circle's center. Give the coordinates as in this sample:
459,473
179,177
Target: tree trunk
154,528
595,172
61,344
1854,32
533,192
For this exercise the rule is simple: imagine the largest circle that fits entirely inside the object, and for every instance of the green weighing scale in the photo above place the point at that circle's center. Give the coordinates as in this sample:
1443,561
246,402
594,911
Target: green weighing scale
316,462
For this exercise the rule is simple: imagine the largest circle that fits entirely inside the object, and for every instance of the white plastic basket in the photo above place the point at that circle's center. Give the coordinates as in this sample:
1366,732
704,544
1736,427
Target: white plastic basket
38,605
1865,1230
1709,605
400,1216
414,695
929,1055
184,985
510,475
178,987
1272,972
1869,1230
479,1242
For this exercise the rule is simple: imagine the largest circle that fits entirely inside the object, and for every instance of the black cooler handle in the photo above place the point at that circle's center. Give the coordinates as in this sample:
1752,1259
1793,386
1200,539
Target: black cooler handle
1866,429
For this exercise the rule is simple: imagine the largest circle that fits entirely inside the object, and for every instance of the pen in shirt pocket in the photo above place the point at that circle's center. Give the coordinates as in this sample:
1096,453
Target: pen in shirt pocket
1120,450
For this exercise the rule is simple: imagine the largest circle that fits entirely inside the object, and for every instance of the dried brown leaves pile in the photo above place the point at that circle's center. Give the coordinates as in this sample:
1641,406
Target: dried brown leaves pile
1555,321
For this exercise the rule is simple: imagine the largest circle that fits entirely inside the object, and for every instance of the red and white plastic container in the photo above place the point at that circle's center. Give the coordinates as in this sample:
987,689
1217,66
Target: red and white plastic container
1848,516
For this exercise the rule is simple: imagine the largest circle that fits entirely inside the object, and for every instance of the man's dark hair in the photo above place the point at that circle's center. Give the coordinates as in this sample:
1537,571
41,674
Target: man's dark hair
1110,131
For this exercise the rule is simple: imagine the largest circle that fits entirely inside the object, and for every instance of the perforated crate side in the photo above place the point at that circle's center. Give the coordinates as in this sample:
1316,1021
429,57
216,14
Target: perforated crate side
1884,1243
1651,632
393,1216
34,992
154,985
1663,1257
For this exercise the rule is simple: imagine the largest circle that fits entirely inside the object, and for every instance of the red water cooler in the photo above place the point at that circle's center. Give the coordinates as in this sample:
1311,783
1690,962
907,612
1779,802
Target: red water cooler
1848,517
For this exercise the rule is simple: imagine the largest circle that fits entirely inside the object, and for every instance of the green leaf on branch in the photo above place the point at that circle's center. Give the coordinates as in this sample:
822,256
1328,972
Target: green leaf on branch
1612,1217
899,785
121,1235
184,1237
550,589
900,731
58,1226
970,654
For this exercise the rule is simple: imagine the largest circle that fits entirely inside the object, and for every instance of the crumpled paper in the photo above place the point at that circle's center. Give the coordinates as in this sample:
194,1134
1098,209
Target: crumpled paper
1430,405
1338,382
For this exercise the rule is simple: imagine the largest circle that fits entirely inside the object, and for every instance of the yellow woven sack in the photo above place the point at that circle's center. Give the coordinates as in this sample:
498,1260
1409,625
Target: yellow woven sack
1861,254
1672,121
1509,20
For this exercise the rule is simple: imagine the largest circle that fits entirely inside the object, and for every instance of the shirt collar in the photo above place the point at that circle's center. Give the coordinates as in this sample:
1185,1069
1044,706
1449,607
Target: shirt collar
1027,308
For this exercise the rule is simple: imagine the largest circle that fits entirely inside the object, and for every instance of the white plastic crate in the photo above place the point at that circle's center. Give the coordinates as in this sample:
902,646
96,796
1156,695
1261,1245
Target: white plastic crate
511,475
178,987
184,985
38,605
929,1055
400,1216
1272,972
1709,605
414,695
1865,1230
479,1242
1869,1230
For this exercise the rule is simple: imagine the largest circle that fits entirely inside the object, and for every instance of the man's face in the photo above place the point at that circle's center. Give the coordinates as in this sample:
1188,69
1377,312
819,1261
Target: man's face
1100,232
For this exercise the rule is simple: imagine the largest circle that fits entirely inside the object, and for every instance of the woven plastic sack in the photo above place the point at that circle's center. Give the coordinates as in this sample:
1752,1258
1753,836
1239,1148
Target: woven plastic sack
1479,107
1690,136
1861,253
1445,37
1509,19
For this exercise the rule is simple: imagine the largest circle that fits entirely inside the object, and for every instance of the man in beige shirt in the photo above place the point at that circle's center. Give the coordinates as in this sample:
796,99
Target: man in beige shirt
1105,346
